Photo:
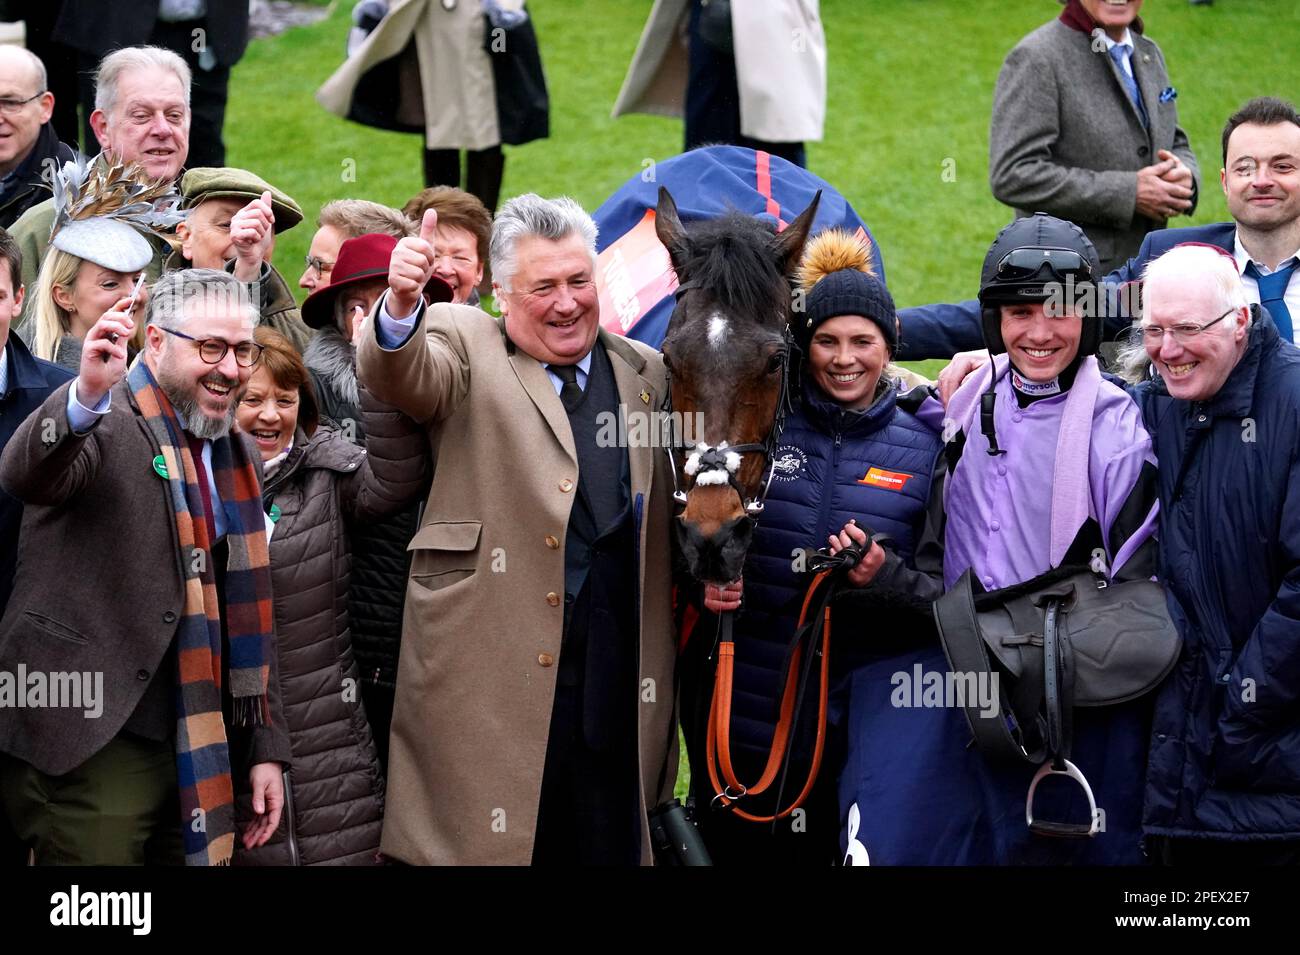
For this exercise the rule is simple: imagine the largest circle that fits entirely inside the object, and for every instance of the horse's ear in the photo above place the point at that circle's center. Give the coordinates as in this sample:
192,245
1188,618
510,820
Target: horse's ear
670,230
790,243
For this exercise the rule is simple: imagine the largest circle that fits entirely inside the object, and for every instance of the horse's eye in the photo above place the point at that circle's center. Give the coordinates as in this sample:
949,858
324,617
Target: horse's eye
774,363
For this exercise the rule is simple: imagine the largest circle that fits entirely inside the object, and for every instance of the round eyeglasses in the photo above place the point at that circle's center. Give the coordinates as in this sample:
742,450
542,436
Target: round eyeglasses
212,350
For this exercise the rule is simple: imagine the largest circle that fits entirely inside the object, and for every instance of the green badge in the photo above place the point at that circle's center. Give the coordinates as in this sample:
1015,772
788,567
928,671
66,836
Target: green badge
275,513
160,466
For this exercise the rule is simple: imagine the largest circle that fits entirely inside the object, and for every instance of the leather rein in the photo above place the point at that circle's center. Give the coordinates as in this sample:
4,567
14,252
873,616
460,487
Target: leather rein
720,464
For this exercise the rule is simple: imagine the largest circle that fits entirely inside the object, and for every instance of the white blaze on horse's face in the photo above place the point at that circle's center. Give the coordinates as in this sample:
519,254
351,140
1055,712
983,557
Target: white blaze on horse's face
717,330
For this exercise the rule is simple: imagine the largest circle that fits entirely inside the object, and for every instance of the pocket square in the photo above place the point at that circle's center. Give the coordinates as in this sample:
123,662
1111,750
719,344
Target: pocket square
1168,94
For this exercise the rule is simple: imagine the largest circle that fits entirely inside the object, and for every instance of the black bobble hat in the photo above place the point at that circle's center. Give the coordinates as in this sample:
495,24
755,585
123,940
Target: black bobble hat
837,280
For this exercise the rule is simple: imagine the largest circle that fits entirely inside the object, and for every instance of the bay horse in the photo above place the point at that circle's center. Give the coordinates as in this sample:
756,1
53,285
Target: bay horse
727,349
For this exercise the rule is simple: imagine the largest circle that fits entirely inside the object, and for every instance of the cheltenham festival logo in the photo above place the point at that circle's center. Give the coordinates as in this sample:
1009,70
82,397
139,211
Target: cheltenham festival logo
788,462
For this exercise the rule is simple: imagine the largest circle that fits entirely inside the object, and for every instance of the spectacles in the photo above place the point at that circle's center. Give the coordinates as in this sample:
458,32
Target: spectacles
1026,263
11,106
319,266
213,350
1183,332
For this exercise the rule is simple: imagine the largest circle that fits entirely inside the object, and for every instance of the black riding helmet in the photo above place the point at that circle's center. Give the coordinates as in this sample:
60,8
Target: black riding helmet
1034,259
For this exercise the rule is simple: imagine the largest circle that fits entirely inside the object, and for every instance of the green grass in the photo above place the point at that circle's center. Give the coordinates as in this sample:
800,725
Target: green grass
911,86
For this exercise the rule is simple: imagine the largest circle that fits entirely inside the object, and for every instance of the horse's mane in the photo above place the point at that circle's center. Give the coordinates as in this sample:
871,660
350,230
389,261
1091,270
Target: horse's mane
731,257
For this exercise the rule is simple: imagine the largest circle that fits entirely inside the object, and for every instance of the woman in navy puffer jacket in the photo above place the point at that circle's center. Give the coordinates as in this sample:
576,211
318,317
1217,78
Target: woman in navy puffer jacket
852,450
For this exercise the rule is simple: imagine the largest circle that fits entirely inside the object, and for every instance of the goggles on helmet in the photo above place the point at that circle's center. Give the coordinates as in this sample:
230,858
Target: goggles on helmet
1021,265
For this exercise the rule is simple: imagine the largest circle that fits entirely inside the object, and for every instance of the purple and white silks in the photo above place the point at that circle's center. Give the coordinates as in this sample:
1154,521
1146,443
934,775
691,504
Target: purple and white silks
1077,455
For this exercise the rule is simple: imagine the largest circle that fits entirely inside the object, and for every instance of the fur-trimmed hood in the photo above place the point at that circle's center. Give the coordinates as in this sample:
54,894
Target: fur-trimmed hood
332,359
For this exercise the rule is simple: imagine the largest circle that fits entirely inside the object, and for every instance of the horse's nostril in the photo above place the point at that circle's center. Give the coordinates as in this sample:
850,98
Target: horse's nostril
720,556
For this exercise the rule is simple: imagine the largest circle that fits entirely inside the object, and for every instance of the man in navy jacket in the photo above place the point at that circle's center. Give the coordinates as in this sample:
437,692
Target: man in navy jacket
25,382
1223,777
1261,181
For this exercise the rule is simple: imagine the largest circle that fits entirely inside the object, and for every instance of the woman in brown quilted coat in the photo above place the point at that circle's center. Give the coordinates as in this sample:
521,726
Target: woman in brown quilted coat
319,486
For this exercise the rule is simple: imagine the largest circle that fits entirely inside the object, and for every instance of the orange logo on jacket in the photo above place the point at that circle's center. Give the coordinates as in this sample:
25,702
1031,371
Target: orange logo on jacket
890,480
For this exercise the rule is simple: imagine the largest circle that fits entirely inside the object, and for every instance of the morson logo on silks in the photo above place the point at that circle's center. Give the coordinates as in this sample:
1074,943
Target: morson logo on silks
889,480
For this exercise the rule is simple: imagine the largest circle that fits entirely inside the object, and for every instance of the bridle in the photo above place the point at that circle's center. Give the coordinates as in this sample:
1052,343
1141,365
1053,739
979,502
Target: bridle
719,464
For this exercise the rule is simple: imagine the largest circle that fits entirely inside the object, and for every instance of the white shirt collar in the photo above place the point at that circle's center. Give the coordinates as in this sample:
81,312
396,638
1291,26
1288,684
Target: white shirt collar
1125,40
584,365
4,367
1243,257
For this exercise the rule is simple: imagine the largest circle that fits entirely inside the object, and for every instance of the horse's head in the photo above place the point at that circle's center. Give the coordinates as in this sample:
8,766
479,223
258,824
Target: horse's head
726,349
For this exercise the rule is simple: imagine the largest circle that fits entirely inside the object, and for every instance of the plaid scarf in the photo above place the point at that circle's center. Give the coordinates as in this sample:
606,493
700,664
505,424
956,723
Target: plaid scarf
202,752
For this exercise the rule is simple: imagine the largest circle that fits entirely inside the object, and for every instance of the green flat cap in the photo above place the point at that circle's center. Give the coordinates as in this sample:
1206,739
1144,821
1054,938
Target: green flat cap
212,182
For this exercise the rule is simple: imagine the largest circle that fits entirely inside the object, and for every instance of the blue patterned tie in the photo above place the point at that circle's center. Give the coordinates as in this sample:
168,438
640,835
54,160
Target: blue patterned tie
1119,52
1272,288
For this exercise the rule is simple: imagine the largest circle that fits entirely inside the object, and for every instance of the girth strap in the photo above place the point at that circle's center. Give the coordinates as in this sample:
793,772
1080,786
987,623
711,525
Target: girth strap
954,613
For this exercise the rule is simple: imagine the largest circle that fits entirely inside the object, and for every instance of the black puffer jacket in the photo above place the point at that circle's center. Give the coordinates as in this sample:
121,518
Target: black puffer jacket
31,181
381,562
321,494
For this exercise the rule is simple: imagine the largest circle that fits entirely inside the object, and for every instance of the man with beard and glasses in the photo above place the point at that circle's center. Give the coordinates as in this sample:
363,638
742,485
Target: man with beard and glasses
145,563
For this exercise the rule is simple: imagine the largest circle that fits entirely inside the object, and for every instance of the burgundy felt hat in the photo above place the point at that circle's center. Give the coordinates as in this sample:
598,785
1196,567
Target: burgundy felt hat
361,259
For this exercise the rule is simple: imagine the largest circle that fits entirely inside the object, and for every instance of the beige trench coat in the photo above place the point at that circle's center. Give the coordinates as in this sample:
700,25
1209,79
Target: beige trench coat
456,84
482,628
780,67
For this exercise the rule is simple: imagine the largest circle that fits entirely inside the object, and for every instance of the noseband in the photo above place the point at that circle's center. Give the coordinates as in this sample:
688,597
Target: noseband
708,464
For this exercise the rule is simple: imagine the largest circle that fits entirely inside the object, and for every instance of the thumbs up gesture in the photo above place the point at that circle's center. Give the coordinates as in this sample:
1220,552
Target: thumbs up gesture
411,267
252,232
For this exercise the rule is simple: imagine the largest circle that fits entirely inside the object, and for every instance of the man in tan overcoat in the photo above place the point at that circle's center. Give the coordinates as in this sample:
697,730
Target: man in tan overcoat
534,716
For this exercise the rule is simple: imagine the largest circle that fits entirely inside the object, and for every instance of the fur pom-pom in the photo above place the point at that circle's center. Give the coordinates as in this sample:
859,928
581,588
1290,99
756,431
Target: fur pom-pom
831,251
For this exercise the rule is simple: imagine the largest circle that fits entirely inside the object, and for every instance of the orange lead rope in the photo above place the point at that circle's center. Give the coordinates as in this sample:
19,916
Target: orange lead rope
718,740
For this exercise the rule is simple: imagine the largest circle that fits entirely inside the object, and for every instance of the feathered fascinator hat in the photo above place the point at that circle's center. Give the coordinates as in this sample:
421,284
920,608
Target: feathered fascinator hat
104,209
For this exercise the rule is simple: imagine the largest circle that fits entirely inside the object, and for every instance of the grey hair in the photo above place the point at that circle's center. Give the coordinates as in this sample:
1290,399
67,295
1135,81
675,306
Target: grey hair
1132,363
38,67
357,217
173,297
531,215
120,61
1182,263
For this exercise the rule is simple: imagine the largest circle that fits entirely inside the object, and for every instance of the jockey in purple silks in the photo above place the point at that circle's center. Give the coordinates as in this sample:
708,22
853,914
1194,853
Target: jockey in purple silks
1049,465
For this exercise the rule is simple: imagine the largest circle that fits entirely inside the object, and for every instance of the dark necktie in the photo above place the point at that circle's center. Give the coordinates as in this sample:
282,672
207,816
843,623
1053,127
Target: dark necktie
570,394
1272,289
205,492
1119,53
